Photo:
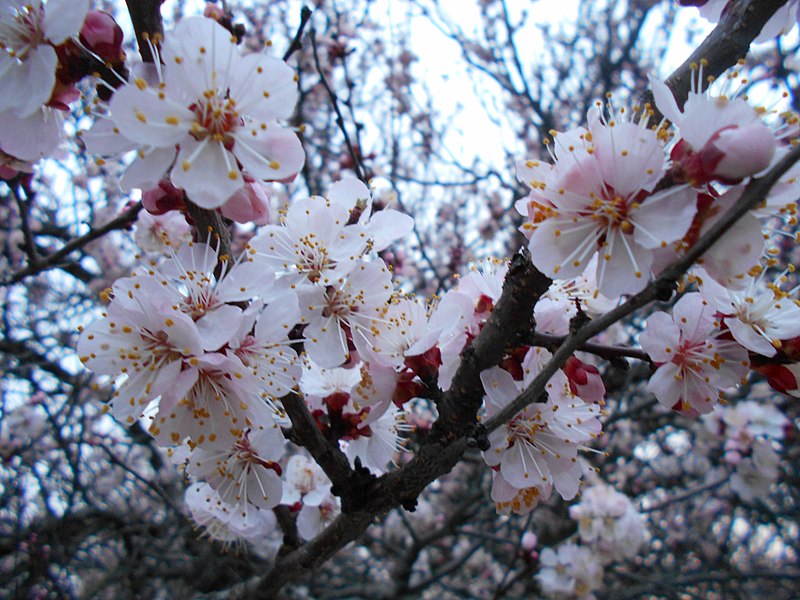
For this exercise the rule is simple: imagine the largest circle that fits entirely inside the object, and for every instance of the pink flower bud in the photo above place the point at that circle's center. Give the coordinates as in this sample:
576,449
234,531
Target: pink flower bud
529,540
163,198
101,34
584,380
747,150
733,457
249,204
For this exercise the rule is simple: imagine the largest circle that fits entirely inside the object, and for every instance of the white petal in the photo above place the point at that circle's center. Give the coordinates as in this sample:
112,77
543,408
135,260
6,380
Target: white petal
263,87
270,154
145,118
209,174
749,337
661,333
27,86
31,137
325,342
664,217
146,171
64,19
218,326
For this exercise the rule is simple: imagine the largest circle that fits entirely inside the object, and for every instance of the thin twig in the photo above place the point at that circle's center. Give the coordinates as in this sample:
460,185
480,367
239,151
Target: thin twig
297,43
335,104
53,260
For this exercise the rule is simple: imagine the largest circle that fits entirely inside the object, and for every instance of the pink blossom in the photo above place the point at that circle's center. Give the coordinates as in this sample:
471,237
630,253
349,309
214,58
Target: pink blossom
598,198
218,108
694,363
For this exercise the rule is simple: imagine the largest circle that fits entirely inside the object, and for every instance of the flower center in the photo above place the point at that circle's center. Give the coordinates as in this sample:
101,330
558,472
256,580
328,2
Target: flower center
216,117
612,213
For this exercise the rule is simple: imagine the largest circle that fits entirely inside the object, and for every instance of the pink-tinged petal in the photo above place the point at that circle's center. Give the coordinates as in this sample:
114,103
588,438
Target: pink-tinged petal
105,139
502,491
325,342
500,389
264,87
623,266
749,337
32,137
28,85
264,487
498,443
64,19
348,193
387,226
198,55
694,317
571,144
661,337
146,171
787,190
631,158
664,100
705,115
566,476
734,254
778,24
523,466
244,281
747,149
218,326
700,395
207,172
249,204
270,154
177,391
664,386
735,365
278,319
140,389
715,294
533,173
664,217
182,333
145,118
560,248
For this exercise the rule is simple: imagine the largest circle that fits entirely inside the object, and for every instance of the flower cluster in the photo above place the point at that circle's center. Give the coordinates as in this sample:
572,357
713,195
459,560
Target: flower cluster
538,448
695,361
206,349
45,49
752,432
609,523
570,572
207,120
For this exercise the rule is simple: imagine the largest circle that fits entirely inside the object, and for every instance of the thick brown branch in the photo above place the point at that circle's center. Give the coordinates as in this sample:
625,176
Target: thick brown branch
329,457
510,324
210,227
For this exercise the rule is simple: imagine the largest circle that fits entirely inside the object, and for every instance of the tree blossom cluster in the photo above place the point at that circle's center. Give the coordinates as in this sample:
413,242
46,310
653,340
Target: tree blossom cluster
211,347
212,354
623,199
